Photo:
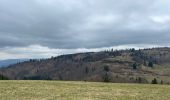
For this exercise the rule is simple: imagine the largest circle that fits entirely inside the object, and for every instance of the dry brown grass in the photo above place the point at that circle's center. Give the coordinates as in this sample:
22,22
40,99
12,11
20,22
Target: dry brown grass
62,90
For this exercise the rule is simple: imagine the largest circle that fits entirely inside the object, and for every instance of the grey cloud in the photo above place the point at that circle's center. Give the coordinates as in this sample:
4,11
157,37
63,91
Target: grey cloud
82,23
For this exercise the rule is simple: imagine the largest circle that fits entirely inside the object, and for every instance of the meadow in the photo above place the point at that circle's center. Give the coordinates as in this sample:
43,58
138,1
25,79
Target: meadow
69,90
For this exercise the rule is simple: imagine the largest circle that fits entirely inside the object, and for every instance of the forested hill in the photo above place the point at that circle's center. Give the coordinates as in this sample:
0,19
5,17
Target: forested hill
130,66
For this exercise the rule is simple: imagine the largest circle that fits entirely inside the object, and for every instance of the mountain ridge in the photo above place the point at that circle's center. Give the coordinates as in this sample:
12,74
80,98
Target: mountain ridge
123,66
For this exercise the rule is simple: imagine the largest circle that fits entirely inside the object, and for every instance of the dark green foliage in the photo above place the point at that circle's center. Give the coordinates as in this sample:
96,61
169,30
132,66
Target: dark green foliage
33,60
2,77
106,77
141,80
134,66
138,56
106,68
132,50
86,70
150,64
162,82
154,81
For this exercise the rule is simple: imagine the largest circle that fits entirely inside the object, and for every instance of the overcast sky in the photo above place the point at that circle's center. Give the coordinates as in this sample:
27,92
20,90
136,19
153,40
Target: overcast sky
44,28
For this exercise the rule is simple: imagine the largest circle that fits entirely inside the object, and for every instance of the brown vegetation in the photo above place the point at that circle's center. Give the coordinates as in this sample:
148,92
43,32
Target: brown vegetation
130,66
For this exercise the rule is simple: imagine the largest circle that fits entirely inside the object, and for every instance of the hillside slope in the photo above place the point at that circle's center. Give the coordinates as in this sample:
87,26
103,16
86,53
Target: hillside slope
130,66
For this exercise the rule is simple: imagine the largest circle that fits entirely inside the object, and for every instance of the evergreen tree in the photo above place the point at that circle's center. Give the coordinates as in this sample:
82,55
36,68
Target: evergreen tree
106,77
106,68
154,81
150,64
161,82
134,66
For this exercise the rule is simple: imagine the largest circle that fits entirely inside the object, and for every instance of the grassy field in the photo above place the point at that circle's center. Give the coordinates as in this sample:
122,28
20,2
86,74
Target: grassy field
62,90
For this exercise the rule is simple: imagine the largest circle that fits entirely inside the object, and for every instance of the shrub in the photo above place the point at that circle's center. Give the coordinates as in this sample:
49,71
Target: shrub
161,82
106,77
154,81
106,68
150,64
134,66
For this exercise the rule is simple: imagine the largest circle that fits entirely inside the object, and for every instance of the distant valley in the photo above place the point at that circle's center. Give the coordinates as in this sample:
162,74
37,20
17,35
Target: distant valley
6,63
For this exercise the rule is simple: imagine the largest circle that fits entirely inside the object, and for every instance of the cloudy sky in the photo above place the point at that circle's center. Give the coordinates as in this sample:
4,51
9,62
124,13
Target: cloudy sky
44,28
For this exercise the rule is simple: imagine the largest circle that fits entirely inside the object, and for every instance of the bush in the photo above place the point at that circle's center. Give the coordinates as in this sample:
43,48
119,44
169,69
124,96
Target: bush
106,77
106,68
141,80
154,81
134,66
162,82
150,64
